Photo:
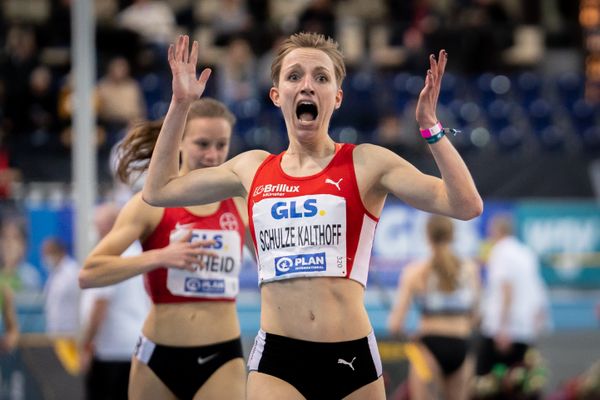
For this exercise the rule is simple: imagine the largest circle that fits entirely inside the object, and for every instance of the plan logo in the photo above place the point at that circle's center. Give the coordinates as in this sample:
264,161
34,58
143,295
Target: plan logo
209,286
300,263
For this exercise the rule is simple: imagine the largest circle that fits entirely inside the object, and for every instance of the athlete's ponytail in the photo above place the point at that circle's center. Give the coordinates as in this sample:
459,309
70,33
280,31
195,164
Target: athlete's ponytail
135,150
444,262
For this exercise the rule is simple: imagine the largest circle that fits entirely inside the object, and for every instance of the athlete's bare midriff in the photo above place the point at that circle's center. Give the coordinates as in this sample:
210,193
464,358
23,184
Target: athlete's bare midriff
192,324
446,325
316,309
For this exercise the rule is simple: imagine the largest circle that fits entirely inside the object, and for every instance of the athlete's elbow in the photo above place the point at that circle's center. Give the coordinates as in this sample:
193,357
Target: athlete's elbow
472,208
85,281
151,197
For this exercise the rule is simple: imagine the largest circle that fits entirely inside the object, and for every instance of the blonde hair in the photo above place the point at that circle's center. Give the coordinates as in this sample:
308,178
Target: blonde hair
310,41
445,264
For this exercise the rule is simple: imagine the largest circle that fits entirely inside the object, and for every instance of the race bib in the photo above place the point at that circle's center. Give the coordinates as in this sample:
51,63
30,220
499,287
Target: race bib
216,276
302,236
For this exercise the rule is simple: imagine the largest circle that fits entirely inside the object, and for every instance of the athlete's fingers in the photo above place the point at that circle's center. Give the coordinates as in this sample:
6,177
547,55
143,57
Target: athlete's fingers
171,55
200,253
202,243
179,49
185,237
194,53
186,48
189,265
204,76
199,262
443,60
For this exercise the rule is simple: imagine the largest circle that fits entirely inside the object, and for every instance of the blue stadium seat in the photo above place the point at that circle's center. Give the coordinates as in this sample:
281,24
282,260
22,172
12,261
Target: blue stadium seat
570,86
551,138
509,138
360,108
528,87
540,114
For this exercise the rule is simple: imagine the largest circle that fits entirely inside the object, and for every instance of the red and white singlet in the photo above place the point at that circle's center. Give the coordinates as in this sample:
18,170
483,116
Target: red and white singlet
310,226
218,278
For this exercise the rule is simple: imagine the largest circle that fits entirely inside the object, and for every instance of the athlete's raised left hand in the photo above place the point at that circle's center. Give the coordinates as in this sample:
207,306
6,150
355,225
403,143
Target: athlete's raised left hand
426,106
183,61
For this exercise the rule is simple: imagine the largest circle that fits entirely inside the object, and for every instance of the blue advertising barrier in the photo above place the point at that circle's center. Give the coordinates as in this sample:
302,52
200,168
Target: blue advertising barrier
565,235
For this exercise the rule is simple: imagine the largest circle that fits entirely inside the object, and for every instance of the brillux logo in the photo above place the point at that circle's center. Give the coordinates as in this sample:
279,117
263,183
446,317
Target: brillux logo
279,188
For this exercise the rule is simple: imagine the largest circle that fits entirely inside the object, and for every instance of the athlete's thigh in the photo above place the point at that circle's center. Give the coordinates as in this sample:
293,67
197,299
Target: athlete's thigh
145,385
424,375
373,391
267,387
457,385
228,382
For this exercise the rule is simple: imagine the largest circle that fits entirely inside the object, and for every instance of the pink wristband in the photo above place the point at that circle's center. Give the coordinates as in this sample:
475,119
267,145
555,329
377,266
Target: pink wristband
434,130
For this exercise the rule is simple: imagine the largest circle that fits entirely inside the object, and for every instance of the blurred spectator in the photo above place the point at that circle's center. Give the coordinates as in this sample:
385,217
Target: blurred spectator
154,20
319,17
20,274
230,20
65,114
402,41
41,107
184,13
389,133
61,290
10,336
19,60
514,310
10,174
105,11
263,69
237,73
486,31
58,31
120,99
113,317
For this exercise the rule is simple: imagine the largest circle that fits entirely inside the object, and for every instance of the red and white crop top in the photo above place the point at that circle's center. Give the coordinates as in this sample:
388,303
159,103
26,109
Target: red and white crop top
218,278
310,226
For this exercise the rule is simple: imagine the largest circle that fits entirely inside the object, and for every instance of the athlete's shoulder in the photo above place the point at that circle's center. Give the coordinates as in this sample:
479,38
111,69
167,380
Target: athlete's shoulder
376,156
370,150
415,268
247,162
253,156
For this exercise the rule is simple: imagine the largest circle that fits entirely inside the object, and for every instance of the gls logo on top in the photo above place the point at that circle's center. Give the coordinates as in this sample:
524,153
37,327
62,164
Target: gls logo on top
217,238
182,230
300,263
295,209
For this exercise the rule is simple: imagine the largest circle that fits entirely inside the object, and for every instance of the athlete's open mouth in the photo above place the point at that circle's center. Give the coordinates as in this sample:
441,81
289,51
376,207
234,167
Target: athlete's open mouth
306,111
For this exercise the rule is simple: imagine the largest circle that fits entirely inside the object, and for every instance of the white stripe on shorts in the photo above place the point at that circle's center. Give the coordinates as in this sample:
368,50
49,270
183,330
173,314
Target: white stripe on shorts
257,351
144,349
375,353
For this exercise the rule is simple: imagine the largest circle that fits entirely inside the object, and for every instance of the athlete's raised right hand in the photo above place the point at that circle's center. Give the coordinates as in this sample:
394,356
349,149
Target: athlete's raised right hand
183,254
186,87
